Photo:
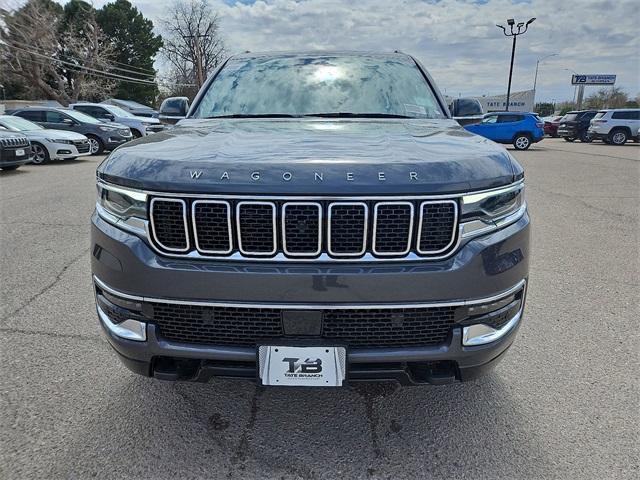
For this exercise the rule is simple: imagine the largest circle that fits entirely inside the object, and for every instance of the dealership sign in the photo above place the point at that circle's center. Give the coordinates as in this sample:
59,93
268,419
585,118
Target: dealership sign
593,79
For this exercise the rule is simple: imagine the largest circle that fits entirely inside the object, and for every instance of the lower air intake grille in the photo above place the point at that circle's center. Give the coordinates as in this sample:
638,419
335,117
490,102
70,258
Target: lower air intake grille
249,326
216,325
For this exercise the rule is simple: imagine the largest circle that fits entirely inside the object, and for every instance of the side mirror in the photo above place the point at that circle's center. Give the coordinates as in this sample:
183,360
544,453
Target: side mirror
67,121
109,116
174,109
466,110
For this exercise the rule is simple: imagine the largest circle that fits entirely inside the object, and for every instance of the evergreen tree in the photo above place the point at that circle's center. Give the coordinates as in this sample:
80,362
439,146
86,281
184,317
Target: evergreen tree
135,46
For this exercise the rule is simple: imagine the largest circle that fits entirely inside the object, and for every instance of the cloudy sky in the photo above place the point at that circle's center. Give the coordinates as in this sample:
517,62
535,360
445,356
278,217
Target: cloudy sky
457,40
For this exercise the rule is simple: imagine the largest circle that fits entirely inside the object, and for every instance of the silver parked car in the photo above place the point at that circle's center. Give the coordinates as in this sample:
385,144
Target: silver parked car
140,126
48,144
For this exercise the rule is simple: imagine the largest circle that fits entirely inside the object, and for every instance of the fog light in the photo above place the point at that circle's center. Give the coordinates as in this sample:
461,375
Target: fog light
481,334
129,329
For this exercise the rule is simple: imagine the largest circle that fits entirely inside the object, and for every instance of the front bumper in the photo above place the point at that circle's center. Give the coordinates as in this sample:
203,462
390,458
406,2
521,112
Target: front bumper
63,151
484,267
115,140
8,158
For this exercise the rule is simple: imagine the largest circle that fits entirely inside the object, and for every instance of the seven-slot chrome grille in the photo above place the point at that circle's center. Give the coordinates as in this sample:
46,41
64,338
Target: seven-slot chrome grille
304,229
14,142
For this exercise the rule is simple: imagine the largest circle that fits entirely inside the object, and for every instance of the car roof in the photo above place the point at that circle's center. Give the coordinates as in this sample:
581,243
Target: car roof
35,107
322,53
619,110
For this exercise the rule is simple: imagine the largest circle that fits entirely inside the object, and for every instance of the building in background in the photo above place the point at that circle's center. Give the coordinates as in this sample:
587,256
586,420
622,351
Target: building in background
518,102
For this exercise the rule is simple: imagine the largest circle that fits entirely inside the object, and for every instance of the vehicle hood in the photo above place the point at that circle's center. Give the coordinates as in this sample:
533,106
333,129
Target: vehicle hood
311,156
147,119
54,134
115,125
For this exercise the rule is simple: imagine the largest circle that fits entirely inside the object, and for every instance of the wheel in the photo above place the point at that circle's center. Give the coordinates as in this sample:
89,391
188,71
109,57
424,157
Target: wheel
522,142
585,137
8,169
135,133
618,137
95,145
569,139
40,154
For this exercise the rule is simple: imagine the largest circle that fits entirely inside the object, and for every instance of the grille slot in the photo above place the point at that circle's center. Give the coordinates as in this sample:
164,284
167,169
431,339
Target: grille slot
256,223
212,226
438,220
302,229
373,328
347,229
383,328
392,228
169,224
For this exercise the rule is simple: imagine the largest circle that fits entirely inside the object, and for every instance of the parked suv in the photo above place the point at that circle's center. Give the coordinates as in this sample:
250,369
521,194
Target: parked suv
316,219
576,125
520,129
616,126
101,136
139,126
47,144
15,150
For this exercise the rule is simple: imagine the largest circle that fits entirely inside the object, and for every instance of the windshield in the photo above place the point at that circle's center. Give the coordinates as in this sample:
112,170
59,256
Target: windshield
331,85
118,112
82,117
19,124
599,115
569,117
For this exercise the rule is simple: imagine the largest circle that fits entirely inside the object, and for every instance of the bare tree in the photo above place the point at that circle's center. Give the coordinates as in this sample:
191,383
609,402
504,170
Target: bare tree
192,41
62,67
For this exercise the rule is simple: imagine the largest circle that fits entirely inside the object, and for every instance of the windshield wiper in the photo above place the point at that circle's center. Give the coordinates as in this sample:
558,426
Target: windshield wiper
255,115
355,115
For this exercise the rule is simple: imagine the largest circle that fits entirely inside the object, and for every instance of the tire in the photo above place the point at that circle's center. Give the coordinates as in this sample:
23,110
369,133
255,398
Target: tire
618,137
522,141
135,133
96,147
569,139
40,154
8,169
585,137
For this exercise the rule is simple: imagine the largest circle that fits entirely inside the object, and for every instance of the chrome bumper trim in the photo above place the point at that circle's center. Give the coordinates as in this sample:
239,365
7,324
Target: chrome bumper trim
312,306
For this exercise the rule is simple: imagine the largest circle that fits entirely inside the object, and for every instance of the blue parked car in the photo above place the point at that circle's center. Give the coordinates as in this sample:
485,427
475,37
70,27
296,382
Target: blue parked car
519,128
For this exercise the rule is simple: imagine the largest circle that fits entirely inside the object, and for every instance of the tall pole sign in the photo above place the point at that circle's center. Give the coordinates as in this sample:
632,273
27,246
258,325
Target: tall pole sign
591,79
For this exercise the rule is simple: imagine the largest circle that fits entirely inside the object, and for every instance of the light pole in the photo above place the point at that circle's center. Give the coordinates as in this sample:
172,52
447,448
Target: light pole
520,29
535,79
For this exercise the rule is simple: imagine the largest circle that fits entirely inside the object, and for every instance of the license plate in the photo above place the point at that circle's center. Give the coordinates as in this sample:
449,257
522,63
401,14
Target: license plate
302,366
19,153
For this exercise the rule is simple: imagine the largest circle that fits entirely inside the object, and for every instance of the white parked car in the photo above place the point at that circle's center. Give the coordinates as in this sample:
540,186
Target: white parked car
616,126
48,144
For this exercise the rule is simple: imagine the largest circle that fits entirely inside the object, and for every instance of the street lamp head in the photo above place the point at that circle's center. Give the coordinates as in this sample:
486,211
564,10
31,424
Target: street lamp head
531,20
511,21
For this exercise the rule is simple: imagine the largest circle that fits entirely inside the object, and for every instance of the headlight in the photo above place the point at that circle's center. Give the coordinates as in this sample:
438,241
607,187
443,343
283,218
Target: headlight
55,140
107,129
486,211
123,207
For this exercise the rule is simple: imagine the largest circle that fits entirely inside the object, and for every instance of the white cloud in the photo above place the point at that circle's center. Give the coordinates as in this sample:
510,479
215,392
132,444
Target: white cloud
456,40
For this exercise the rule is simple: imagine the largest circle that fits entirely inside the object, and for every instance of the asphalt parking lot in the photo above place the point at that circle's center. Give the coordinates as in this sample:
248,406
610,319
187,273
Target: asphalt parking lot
563,404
